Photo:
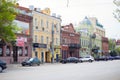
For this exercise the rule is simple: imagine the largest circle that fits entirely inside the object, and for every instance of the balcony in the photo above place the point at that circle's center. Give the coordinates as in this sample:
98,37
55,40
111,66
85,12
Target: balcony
74,45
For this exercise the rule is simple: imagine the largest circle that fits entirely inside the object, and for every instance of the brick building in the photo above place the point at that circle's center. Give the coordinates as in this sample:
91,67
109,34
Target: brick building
105,46
69,42
21,48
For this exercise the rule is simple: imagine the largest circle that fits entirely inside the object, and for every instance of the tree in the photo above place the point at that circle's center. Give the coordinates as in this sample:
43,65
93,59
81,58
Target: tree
7,15
118,50
117,11
112,44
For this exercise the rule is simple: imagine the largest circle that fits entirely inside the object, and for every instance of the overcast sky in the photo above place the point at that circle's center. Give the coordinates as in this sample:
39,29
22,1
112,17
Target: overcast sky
74,11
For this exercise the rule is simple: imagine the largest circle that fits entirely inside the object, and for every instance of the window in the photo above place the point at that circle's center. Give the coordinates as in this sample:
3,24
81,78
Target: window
36,27
47,40
8,51
35,21
47,24
1,51
41,23
20,51
56,40
26,51
35,38
42,39
56,27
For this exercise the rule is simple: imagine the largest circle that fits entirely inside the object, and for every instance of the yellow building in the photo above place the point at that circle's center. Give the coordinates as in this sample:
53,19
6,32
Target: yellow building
42,34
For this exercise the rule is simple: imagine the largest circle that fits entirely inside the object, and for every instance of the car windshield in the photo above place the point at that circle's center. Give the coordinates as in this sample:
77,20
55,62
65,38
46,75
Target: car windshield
31,59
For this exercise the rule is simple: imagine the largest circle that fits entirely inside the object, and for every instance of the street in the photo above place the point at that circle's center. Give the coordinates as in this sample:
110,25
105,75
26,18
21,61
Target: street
102,70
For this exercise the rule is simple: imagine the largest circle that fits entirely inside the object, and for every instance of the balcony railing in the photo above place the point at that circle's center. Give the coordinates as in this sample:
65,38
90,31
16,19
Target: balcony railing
74,45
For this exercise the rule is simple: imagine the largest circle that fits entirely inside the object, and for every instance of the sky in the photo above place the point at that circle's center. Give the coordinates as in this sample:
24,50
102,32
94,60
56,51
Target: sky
74,11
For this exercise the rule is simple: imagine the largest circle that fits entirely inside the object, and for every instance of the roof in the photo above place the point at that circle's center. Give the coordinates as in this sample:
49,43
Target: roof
86,21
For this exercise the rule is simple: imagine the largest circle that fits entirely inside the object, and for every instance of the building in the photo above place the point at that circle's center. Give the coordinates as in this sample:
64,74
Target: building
85,29
91,34
105,46
97,27
118,43
20,49
69,42
46,34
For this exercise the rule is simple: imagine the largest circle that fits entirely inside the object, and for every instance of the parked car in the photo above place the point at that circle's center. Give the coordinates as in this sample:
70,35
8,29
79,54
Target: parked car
3,65
116,57
70,60
31,61
110,58
86,59
101,58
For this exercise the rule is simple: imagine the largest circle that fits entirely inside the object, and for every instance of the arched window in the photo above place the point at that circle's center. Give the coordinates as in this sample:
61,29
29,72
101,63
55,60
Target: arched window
26,51
20,51
1,51
8,51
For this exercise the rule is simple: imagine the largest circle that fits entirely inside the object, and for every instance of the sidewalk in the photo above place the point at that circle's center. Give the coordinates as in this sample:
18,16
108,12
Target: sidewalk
9,66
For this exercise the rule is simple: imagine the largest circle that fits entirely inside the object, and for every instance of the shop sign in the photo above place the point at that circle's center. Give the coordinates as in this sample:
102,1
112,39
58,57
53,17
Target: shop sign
21,41
38,45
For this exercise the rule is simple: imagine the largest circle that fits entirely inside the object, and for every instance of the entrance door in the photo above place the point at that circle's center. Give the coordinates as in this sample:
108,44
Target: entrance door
15,55
42,57
46,57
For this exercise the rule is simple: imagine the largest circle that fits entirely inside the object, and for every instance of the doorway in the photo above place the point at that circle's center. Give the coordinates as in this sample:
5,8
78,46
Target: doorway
15,55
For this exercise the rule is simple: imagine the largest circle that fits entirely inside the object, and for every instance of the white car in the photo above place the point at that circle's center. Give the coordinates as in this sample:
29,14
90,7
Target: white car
86,59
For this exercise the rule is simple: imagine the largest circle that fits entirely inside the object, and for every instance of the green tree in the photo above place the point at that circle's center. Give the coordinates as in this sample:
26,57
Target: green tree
7,15
112,44
117,11
118,50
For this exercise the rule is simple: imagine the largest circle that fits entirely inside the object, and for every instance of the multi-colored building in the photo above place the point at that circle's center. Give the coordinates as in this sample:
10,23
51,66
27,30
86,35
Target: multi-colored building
46,29
91,34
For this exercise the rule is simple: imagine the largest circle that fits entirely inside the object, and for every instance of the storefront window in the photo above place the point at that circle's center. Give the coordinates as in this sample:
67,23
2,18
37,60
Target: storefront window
20,51
26,52
8,51
1,53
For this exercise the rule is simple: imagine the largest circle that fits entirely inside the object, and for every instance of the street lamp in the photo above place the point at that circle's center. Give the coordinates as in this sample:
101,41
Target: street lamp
52,43
92,36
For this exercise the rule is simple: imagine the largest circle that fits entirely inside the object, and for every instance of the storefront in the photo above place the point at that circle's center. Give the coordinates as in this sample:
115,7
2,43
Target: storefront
39,50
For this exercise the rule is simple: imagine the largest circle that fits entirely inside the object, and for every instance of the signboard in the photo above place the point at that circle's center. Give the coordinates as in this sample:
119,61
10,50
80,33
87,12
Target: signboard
38,45
21,41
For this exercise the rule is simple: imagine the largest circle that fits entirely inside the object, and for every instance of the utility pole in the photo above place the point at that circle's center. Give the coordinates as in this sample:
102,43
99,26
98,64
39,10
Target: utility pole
53,43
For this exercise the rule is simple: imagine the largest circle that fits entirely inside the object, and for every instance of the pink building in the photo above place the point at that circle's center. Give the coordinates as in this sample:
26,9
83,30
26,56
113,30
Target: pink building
22,47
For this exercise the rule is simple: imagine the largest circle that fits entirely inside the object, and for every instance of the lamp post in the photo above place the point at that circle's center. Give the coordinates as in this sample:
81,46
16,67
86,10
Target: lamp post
92,36
52,43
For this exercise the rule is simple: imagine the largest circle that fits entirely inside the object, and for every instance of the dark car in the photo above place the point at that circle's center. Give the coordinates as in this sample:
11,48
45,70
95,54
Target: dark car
116,57
31,61
101,58
3,65
110,58
70,60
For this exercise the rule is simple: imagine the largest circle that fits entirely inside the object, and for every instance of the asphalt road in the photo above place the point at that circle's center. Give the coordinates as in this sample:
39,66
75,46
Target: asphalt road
103,70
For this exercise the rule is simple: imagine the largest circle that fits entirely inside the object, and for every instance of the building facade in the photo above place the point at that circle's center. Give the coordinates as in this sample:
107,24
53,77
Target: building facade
85,29
46,33
18,50
69,42
105,46
94,31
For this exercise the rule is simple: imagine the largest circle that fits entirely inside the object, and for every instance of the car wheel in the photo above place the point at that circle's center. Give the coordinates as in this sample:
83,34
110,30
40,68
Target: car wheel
81,61
0,69
38,64
30,64
90,60
23,65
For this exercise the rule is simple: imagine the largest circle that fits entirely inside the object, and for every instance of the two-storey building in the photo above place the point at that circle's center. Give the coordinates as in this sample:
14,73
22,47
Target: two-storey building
69,41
